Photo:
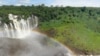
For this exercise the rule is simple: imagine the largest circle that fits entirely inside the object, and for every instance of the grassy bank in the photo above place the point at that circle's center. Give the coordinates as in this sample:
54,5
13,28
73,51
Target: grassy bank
76,27
75,35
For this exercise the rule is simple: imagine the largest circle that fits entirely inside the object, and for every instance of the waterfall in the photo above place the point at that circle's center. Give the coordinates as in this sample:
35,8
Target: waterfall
18,39
18,28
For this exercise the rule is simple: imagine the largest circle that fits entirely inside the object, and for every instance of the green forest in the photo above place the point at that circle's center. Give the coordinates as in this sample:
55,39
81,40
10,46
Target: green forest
76,27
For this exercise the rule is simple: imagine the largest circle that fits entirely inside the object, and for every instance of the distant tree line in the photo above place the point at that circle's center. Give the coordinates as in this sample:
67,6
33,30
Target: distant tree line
89,16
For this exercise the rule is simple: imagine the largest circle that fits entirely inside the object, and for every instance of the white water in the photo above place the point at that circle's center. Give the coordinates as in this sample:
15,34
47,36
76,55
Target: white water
18,39
19,28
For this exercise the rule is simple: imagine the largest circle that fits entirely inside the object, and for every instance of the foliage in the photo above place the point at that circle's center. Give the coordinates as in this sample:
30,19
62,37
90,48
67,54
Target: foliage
77,27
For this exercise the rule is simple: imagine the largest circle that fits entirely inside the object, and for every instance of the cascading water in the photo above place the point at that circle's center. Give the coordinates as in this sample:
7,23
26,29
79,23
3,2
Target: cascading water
19,39
19,28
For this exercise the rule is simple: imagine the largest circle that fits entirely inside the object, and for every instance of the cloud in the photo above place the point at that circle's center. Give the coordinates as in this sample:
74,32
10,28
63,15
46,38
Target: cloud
94,3
18,4
2,2
22,2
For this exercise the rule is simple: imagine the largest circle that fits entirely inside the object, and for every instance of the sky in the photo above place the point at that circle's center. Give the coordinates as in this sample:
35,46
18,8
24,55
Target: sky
74,3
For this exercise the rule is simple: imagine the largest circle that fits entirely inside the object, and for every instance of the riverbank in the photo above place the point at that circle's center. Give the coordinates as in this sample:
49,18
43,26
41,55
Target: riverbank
74,50
79,38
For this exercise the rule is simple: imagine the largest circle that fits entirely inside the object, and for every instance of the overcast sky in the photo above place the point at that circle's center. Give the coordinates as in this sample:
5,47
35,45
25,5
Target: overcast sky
88,3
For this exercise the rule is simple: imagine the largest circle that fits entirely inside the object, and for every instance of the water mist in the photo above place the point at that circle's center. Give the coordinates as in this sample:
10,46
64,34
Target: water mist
18,39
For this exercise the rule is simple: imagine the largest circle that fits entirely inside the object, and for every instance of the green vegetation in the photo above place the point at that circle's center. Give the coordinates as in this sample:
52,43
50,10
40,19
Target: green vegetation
77,27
